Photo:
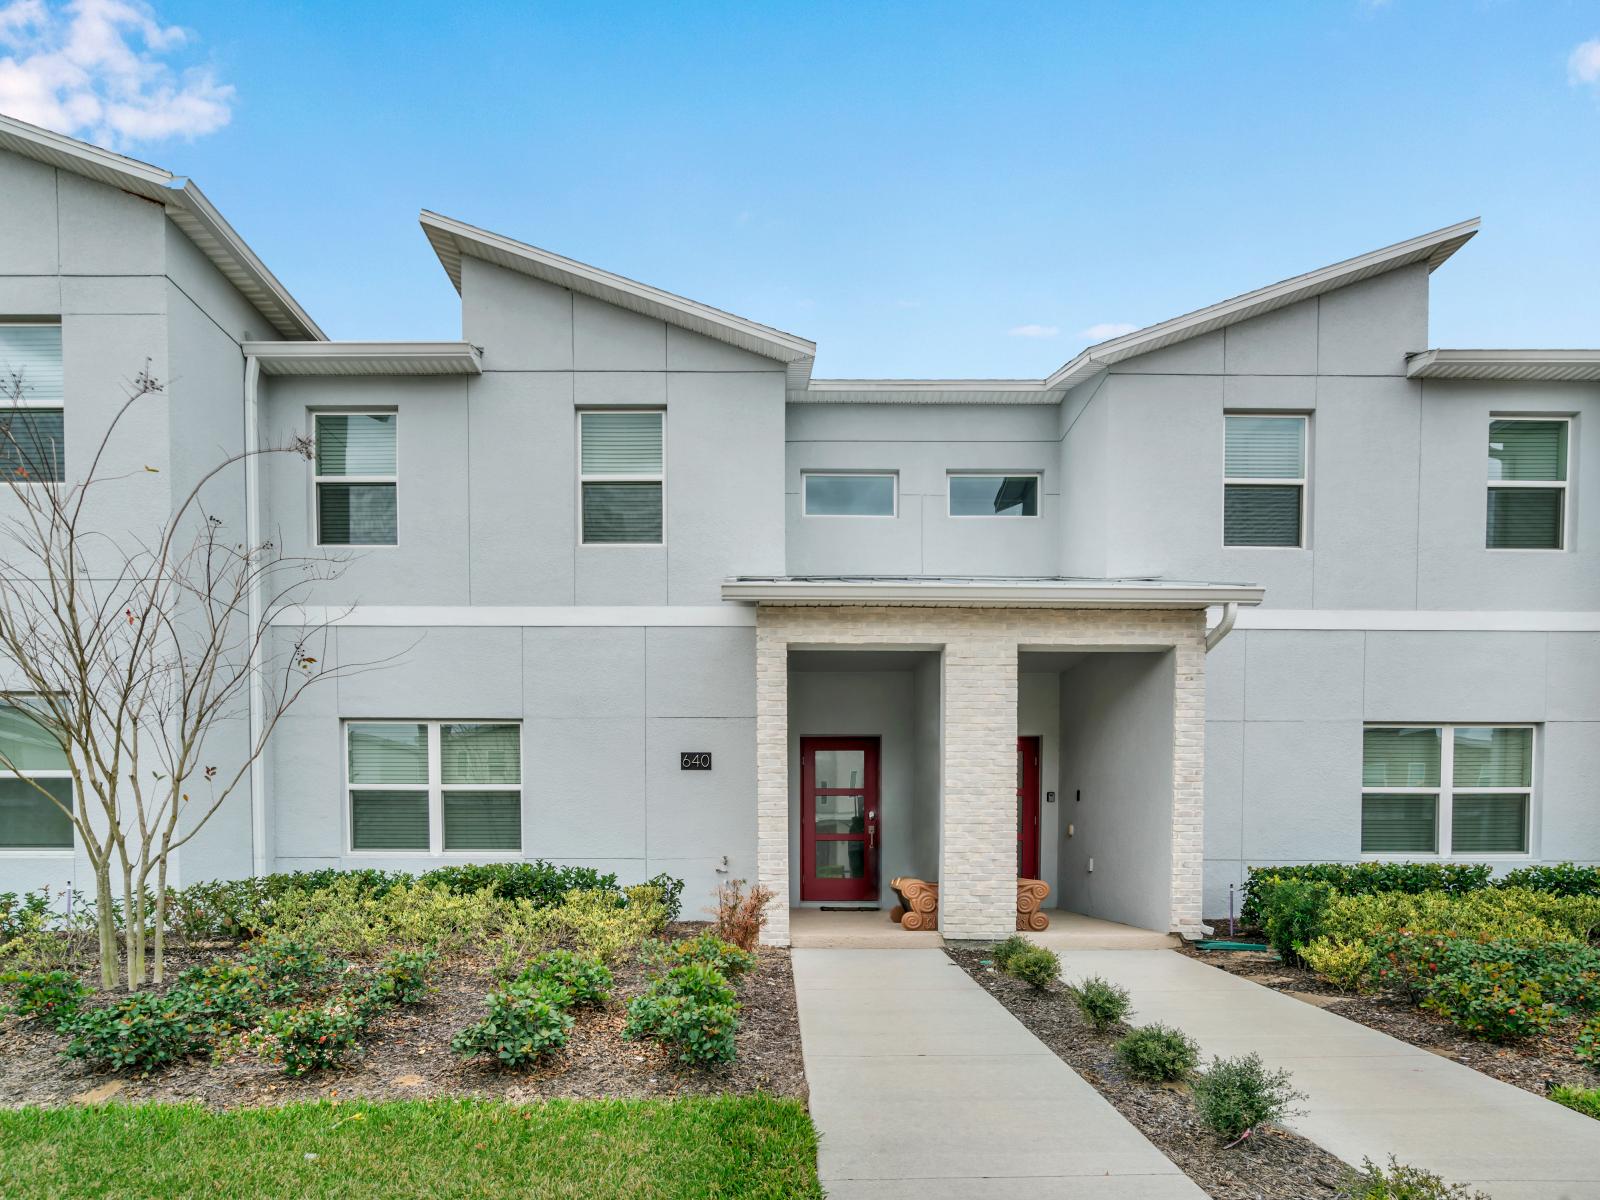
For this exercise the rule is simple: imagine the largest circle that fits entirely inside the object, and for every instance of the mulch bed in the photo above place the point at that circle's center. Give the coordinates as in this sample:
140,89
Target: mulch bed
1535,1065
406,1053
1273,1164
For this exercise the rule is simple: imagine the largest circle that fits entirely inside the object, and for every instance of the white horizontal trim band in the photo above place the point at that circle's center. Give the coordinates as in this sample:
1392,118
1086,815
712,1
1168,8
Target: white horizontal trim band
513,616
1420,620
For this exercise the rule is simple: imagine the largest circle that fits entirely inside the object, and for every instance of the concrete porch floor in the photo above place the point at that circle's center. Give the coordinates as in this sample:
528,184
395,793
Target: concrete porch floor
816,929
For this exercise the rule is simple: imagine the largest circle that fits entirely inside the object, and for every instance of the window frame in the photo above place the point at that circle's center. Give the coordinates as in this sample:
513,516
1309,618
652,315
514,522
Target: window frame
585,477
434,788
10,699
48,406
1444,814
808,473
1038,497
1303,482
318,480
1561,485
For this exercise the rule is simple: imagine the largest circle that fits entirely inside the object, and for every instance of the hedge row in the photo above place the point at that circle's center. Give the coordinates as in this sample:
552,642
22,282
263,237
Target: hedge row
1414,878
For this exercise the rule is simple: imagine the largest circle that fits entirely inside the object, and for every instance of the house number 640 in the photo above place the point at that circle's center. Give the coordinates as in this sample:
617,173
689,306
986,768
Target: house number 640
694,760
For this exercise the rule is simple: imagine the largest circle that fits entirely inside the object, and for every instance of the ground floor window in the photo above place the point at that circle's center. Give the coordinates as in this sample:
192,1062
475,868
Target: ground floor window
1446,789
35,784
434,786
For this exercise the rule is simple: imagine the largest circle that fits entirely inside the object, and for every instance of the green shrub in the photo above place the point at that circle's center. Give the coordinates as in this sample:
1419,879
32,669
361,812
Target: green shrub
1365,879
1035,966
691,1007
1157,1053
1584,1100
22,915
1343,964
226,995
1561,879
540,883
313,1037
705,947
1103,1004
600,923
1491,1000
1234,1095
1515,914
671,889
245,908
1401,1182
1003,952
408,971
50,997
141,1031
289,970
1587,1047
1291,915
526,1019
583,977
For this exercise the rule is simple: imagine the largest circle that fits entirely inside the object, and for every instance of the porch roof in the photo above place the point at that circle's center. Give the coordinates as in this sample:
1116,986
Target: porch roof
1033,591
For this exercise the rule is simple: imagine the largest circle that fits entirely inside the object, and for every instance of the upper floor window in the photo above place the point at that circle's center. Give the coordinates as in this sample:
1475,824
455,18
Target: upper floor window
1263,493
31,398
621,472
1456,789
35,784
356,479
434,786
974,495
849,494
1527,484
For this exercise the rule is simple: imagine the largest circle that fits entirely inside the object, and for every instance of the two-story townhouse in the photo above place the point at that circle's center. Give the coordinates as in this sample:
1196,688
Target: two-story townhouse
1271,581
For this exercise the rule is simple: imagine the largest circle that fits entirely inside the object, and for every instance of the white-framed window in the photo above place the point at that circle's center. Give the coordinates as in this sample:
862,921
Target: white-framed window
621,477
1463,791
1527,483
35,783
32,426
1264,480
849,493
434,787
985,494
356,478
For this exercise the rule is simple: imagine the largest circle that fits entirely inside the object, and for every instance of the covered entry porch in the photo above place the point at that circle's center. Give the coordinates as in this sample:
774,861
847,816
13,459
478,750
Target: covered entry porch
895,719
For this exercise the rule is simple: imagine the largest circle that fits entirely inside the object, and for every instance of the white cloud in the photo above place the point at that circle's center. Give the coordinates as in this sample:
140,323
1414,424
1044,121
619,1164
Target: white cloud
1107,329
1584,64
1033,331
101,69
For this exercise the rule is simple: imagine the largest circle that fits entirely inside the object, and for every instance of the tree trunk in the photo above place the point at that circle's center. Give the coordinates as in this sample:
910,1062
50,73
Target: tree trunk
159,934
105,918
132,939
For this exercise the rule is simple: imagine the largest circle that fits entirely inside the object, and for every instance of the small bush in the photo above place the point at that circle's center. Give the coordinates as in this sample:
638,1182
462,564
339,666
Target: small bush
1158,1053
1035,966
1003,952
312,1038
223,995
705,948
1587,1047
741,915
539,882
1234,1095
1560,879
1401,1182
584,977
22,915
1511,914
408,971
526,1020
1584,1100
1102,1003
1365,879
290,970
1343,964
671,889
1491,1000
1291,915
50,997
141,1031
691,1007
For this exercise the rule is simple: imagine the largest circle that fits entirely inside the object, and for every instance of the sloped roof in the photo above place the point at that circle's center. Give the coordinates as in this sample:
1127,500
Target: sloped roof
452,239
184,202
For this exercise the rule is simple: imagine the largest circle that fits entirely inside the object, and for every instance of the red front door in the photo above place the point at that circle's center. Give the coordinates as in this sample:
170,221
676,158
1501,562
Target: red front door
839,819
1028,807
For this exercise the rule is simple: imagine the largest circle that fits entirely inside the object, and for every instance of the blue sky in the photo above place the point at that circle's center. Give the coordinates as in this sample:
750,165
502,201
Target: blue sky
910,185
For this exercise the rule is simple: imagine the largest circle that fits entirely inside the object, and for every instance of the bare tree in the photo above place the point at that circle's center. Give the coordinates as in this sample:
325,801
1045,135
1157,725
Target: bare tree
141,656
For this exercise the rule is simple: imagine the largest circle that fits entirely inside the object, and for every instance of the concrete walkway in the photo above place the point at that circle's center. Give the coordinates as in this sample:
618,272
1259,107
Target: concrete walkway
923,1086
1370,1095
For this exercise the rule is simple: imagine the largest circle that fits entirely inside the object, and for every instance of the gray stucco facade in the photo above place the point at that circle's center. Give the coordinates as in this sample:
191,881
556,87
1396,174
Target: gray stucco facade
613,660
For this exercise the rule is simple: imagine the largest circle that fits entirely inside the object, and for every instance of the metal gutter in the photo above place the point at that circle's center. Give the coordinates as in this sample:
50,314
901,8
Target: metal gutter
1037,593
252,527
1230,614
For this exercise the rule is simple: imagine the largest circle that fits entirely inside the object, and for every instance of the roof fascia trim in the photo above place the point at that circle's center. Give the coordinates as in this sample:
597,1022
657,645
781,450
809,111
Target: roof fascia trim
1030,595
1536,365
366,358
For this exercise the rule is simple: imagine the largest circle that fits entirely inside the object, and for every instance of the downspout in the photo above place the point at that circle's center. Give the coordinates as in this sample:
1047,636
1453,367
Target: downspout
252,538
1230,614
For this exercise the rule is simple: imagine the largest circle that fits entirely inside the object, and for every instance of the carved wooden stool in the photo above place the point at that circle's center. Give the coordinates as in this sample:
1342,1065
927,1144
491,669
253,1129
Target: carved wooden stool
1031,894
919,903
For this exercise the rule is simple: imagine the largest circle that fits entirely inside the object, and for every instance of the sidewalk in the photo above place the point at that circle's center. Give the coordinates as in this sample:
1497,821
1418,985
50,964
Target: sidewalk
923,1086
1370,1095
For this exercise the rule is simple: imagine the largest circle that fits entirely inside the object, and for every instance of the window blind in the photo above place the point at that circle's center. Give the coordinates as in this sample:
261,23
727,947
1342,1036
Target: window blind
356,444
1489,823
1528,450
482,821
620,513
1265,447
357,514
32,352
1400,758
388,754
1524,518
480,754
1261,515
625,443
29,821
32,444
1401,824
382,820
1492,757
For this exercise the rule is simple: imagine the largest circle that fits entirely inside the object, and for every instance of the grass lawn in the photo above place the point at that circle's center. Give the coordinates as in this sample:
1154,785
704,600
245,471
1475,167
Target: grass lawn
726,1146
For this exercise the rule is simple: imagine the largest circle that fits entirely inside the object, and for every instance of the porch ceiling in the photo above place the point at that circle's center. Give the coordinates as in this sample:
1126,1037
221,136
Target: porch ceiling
1034,591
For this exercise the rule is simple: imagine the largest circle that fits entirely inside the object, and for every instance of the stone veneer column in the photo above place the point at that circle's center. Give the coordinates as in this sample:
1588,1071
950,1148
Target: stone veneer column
1189,780
772,775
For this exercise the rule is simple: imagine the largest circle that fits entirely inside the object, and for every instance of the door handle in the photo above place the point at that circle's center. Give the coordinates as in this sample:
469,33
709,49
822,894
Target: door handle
872,829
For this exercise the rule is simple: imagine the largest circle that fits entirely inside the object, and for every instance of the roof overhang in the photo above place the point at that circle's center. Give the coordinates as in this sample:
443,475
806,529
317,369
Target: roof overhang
1544,366
927,391
987,592
452,240
366,358
184,203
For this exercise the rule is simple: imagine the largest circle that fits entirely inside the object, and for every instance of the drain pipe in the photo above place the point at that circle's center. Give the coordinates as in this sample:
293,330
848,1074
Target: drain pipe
1230,614
252,537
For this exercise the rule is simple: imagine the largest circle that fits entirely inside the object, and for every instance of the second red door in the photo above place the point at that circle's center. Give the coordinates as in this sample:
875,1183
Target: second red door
839,819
